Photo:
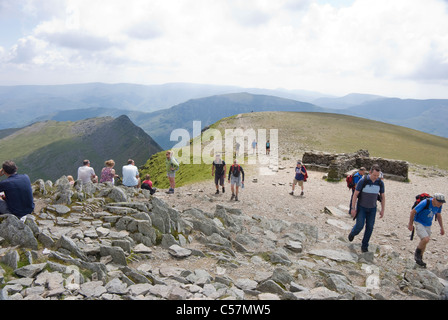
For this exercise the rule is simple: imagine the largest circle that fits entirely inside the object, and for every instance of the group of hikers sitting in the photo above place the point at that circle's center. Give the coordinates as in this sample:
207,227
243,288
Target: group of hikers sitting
131,177
16,195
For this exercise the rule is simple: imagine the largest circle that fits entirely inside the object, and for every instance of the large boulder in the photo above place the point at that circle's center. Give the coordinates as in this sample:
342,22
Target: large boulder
16,232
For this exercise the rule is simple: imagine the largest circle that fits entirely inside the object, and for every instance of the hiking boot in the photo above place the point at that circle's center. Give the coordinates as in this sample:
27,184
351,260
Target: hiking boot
301,193
217,192
236,198
364,250
351,237
291,193
223,190
418,256
232,197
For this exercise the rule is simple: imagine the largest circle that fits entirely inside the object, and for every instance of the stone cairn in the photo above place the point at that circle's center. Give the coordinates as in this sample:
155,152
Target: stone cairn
340,165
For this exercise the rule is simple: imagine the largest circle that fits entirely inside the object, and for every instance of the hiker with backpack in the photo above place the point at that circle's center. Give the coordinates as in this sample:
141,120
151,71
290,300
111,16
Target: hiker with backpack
172,165
300,177
364,205
421,217
352,181
236,179
219,172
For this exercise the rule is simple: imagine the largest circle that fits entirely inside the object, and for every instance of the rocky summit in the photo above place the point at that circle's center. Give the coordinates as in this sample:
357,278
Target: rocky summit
106,242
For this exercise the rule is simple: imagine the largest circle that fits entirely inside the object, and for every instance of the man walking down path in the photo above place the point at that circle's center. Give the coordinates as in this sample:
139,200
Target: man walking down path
422,216
18,194
236,179
364,205
219,172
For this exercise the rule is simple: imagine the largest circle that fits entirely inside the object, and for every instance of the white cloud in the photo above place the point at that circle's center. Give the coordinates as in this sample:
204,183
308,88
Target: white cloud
370,46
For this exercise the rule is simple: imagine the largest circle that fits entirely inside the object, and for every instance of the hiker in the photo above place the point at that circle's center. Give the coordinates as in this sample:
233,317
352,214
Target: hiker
237,152
364,205
86,173
131,176
268,148
17,194
299,178
108,172
236,178
219,169
147,184
356,177
171,167
254,146
421,217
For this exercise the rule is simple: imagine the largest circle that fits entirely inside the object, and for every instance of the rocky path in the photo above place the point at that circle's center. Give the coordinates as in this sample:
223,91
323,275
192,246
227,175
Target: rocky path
103,242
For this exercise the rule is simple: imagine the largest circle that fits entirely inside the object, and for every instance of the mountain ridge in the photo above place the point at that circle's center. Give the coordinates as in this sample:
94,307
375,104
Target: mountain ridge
51,149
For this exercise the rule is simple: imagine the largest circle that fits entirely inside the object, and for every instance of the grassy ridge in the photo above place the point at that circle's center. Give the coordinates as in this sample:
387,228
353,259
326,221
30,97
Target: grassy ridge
187,173
33,138
300,132
48,150
339,133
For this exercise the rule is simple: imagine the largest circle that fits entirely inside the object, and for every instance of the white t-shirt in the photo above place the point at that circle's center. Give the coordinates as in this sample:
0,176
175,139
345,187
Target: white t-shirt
130,173
85,174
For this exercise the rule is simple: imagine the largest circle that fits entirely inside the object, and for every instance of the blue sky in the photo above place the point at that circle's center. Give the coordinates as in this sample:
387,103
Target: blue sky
386,47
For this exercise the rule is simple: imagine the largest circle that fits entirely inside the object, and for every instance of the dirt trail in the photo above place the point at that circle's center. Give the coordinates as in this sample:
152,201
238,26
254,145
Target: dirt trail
266,193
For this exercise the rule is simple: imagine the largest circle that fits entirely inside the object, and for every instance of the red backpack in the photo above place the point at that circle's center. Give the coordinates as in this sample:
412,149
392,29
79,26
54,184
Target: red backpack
419,198
350,182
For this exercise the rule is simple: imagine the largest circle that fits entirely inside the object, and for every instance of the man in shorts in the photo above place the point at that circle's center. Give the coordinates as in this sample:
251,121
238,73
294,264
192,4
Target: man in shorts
299,177
422,216
219,172
172,165
236,172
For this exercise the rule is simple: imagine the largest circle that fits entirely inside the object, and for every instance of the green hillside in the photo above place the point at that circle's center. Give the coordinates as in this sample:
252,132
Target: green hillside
299,132
51,149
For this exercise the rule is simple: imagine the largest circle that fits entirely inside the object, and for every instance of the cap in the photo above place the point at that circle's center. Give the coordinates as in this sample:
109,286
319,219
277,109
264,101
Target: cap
439,197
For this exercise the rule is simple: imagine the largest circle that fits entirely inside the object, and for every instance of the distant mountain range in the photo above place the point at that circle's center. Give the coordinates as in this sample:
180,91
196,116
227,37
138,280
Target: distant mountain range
21,105
430,116
51,149
160,124
160,109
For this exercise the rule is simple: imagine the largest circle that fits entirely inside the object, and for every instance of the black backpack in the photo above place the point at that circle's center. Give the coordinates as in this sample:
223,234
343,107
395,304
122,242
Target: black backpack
236,173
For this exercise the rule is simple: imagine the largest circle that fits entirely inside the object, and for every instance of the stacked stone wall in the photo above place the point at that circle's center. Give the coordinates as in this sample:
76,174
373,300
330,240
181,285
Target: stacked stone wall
338,165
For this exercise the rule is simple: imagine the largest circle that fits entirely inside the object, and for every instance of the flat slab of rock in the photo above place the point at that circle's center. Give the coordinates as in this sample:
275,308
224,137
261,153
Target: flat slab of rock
339,224
336,212
179,252
337,255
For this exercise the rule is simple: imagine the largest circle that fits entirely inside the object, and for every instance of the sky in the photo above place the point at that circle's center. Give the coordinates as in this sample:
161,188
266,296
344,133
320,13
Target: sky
395,48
